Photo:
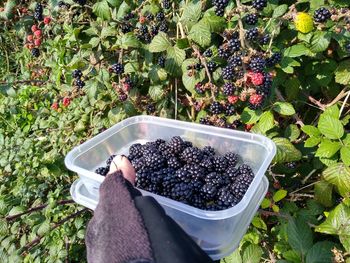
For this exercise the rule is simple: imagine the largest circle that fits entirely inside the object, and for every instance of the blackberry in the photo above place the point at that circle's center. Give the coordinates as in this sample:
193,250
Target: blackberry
135,150
80,2
181,191
38,16
220,164
205,121
265,39
251,19
198,66
234,44
102,171
118,68
123,96
159,142
125,28
163,27
208,191
207,164
160,16
166,4
165,150
143,178
187,144
216,179
79,83
208,151
322,15
194,170
229,110
235,61
154,161
199,88
129,16
226,198
241,185
149,148
227,72
246,169
223,53
259,4
216,108
35,52
143,29
252,33
192,155
347,47
232,173
149,17
161,61
154,30
169,180
110,159
77,74
257,64
39,8
219,11
173,162
150,108
211,66
274,59
176,144
232,158
197,201
138,163
208,53
228,89
291,165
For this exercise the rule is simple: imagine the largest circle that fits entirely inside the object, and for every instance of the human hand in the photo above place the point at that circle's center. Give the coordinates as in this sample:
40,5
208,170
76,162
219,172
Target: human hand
122,163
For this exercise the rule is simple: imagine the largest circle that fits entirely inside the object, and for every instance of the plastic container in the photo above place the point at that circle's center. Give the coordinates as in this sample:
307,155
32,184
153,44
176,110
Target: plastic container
217,236
217,232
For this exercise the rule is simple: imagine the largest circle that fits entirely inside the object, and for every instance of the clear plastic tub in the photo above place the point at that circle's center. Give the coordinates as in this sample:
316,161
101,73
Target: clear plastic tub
215,231
220,236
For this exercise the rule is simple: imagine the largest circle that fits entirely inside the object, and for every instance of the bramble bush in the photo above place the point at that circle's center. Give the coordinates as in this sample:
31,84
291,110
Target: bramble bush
281,68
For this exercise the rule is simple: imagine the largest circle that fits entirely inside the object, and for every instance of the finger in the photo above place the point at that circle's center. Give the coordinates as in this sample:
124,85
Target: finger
123,164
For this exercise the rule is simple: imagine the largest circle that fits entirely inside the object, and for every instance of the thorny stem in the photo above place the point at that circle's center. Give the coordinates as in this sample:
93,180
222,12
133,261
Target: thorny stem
240,24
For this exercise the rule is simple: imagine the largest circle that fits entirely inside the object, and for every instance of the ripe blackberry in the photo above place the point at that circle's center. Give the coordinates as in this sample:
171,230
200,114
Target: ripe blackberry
102,171
232,158
220,164
229,110
241,185
234,44
174,163
159,142
165,150
110,159
161,61
252,33
208,191
191,155
149,148
169,180
246,169
154,161
205,121
143,29
154,30
347,47
207,163
129,16
149,16
38,16
198,66
223,53
274,59
125,28
227,72
166,4
217,179
195,170
228,89
232,173
225,198
208,151
118,68
35,52
150,108
79,83
181,191
187,144
199,88
257,64
211,66
135,150
80,2
123,96
259,4
220,6
143,178
197,201
235,61
216,108
251,19
77,74
176,144
265,39
138,163
160,16
291,165
208,53
322,15
163,27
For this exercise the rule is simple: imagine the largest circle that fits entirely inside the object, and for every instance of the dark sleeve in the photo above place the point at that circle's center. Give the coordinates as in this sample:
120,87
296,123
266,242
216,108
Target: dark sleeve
169,242
116,232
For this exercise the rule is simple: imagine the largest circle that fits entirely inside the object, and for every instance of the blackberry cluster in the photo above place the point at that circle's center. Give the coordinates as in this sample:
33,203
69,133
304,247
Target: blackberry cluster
265,39
220,6
274,59
228,89
208,53
38,12
166,4
257,64
322,15
161,61
77,75
211,66
251,19
216,108
259,4
117,68
252,34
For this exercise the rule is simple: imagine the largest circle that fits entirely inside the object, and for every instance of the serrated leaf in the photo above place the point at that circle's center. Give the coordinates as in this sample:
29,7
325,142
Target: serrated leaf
342,73
283,108
44,228
250,116
259,223
312,142
323,193
235,257
327,148
292,256
321,252
175,57
332,111
16,210
3,227
182,43
252,254
265,203
292,132
101,9
116,115
191,14
330,127
115,3
299,235
266,122
108,32
345,155
275,208
280,10
297,50
310,130
279,195
200,34
320,41
129,40
286,152
339,175
160,43
215,23
156,92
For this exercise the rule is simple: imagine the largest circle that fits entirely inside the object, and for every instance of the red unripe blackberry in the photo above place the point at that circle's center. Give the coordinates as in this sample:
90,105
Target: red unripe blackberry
47,20
255,99
34,28
66,101
38,33
30,38
37,42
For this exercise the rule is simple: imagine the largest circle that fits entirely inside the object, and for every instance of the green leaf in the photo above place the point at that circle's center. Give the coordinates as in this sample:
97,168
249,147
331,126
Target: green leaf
342,73
235,257
297,50
345,155
292,256
250,116
283,108
323,193
157,74
332,111
292,132
310,130
279,195
286,152
108,32
101,9
299,235
339,175
182,43
266,122
190,81
191,14
3,227
330,127
16,210
175,57
320,41
200,34
259,223
44,228
279,10
252,254
265,203
156,92
215,23
116,115
159,43
321,252
129,40
115,3
327,148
